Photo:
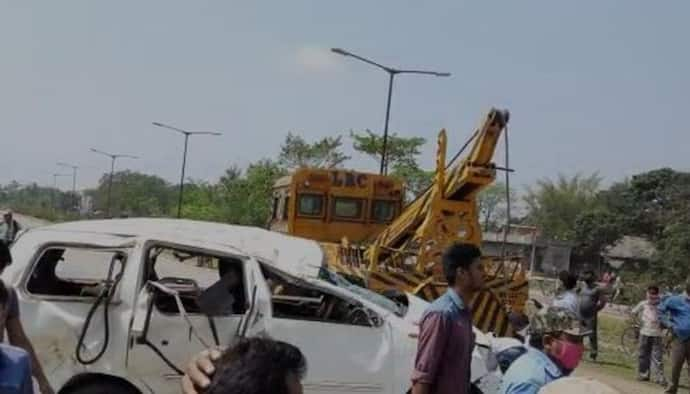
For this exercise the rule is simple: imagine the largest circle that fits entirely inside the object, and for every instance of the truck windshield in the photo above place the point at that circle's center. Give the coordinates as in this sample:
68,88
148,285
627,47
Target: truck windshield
376,298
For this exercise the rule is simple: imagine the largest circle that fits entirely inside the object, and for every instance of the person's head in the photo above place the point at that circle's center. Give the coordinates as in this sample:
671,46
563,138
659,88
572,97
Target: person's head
687,287
653,295
230,270
260,366
568,280
7,216
5,256
558,333
589,277
463,268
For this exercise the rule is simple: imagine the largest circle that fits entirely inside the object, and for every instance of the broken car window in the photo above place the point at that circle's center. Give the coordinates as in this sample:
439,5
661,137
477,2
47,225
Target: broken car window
295,299
207,284
73,271
397,308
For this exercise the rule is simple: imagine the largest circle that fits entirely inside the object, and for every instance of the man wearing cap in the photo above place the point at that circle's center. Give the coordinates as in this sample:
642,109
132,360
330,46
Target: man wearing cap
8,228
674,313
554,351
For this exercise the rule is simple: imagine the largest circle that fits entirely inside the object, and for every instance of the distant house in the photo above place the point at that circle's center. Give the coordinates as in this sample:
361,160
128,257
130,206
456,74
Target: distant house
629,250
523,242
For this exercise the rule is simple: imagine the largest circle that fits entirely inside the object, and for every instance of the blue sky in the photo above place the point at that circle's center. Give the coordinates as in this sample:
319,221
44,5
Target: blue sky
591,85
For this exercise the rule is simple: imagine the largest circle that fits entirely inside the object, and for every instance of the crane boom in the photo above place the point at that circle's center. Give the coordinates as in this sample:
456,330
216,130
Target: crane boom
460,185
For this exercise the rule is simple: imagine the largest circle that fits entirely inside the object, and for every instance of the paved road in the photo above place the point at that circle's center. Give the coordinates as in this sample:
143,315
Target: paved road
27,221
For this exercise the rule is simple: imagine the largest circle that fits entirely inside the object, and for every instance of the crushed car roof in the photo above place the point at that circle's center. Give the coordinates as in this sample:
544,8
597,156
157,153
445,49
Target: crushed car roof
295,256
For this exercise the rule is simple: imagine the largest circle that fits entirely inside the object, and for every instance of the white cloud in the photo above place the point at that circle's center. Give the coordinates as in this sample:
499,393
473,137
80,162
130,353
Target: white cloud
314,58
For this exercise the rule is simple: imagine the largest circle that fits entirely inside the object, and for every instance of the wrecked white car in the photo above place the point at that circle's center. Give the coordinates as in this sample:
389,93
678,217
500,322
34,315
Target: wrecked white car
120,306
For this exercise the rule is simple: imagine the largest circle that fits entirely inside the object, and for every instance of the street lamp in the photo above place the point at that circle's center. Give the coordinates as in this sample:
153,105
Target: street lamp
112,157
184,156
392,72
74,180
55,187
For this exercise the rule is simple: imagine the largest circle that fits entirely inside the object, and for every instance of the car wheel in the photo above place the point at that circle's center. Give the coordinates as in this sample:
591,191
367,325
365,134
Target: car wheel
105,387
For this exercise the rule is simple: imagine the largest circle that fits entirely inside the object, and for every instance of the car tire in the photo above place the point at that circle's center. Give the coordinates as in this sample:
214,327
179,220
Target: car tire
105,387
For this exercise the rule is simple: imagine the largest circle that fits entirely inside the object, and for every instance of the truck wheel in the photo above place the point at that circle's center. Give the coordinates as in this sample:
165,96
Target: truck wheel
105,387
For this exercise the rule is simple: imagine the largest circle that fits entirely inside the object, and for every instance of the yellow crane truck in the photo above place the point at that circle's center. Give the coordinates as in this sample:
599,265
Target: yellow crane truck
371,237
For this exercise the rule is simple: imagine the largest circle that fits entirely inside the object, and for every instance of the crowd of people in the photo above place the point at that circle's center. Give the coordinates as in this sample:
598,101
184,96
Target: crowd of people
553,348
446,341
656,314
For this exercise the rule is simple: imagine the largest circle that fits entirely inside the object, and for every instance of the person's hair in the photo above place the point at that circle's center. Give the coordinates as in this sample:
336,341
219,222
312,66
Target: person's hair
229,264
568,280
5,255
458,255
654,289
536,341
257,366
687,286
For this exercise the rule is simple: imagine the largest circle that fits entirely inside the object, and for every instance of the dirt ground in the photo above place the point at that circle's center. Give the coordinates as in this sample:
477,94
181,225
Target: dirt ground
623,384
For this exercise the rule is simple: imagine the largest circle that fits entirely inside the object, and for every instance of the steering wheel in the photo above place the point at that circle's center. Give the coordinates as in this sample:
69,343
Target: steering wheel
360,316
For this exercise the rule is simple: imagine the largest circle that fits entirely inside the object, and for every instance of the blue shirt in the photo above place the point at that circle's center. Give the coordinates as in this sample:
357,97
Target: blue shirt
529,373
15,371
567,300
674,312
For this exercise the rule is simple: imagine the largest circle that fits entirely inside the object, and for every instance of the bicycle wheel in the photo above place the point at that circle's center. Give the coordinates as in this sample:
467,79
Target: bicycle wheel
630,340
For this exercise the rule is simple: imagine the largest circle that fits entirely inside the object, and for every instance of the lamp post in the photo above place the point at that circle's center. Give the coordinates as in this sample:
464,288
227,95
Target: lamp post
74,181
112,157
55,188
184,155
392,72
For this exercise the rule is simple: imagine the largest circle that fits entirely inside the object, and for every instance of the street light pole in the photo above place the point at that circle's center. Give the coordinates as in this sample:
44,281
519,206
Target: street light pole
184,164
74,181
112,157
384,158
55,188
392,72
184,156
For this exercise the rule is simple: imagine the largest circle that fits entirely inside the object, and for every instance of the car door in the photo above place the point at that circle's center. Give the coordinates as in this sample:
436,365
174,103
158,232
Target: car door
342,357
161,342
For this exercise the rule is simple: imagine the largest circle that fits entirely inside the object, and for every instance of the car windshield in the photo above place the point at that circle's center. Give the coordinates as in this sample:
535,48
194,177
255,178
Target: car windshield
367,294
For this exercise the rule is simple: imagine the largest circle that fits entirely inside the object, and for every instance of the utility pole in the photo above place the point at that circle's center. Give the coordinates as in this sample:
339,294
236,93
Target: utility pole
75,204
392,72
55,188
184,156
112,157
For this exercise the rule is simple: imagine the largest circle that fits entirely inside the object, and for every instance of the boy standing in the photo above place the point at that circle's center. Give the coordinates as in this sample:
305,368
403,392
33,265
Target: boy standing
651,350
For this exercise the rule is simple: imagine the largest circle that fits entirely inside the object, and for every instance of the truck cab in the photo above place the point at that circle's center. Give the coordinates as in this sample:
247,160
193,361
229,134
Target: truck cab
329,205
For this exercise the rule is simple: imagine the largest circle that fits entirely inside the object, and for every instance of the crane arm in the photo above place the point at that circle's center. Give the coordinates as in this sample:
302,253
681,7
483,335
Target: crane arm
460,184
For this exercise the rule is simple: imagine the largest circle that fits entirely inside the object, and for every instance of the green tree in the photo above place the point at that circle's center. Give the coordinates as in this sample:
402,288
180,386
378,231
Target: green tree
594,230
38,201
554,206
671,264
400,151
295,153
493,209
135,194
246,199
402,154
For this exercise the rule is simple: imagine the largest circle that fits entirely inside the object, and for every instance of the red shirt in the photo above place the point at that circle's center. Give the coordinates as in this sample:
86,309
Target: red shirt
444,350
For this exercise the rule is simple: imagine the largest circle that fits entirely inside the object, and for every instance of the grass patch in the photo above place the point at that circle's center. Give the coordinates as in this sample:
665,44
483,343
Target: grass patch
611,356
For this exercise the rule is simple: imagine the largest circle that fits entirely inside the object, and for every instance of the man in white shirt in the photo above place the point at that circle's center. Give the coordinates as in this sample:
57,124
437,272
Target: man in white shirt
9,228
567,299
651,349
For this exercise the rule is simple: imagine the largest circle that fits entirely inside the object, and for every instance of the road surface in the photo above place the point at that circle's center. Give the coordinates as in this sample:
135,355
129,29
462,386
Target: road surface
27,221
622,384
